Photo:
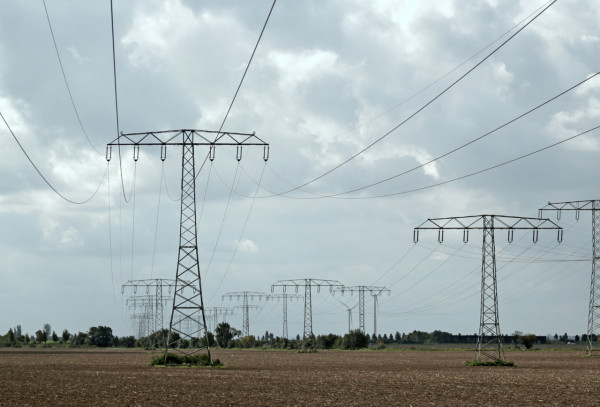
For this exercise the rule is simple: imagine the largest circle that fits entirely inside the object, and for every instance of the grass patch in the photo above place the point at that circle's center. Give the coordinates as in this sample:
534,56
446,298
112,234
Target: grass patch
173,359
496,362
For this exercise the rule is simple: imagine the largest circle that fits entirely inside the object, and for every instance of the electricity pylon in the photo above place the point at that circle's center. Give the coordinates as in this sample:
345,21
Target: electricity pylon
489,342
284,297
216,312
188,304
593,328
141,308
159,296
308,284
361,290
246,306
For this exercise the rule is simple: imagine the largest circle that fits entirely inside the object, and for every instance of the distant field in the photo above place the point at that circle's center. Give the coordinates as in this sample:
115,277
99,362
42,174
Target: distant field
35,377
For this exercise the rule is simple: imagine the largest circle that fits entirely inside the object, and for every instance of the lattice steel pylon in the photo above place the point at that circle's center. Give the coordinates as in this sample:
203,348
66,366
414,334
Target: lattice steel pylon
489,343
593,206
216,312
188,306
246,306
361,290
308,284
158,284
284,297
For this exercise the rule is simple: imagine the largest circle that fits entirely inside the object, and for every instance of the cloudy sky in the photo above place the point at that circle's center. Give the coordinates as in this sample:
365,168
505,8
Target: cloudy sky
328,80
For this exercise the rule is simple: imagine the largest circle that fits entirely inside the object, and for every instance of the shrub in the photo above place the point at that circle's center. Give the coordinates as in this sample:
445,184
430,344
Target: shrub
173,359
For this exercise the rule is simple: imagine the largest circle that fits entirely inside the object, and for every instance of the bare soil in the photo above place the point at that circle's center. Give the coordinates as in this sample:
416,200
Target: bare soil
62,377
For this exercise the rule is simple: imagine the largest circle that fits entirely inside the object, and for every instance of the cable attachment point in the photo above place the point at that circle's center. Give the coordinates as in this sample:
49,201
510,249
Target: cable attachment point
238,153
136,152
266,153
211,152
108,153
163,152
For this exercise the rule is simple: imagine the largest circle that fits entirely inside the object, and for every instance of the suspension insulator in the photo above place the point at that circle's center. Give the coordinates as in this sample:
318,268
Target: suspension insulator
559,237
163,152
211,153
266,153
136,152
238,153
440,236
108,153
416,236
511,235
536,234
466,236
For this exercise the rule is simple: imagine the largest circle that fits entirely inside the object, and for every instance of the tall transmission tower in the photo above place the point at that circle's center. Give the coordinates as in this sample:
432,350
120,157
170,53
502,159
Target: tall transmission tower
244,295
188,304
308,284
158,285
489,342
593,327
361,290
219,314
141,308
285,297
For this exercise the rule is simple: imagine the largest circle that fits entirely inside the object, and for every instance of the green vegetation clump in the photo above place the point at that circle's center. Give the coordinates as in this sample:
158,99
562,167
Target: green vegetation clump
173,359
496,362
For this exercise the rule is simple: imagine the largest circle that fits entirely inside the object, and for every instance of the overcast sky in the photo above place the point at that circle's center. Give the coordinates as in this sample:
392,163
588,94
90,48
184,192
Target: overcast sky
328,79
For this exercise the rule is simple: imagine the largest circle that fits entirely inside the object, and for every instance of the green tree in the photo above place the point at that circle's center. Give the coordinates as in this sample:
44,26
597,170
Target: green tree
40,336
26,338
527,340
576,338
356,339
65,335
224,334
100,336
54,337
48,331
11,336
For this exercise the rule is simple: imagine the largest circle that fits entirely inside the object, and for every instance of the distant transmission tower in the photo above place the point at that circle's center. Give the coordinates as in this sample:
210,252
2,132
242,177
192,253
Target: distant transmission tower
218,314
285,297
361,290
489,343
141,308
593,328
308,284
158,286
188,305
244,295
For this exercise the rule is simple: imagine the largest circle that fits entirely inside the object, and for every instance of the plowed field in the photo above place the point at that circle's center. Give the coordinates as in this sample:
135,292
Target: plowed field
42,377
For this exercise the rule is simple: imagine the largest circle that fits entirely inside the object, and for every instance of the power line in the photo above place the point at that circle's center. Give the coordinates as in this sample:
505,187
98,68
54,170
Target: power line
44,178
421,108
65,78
246,70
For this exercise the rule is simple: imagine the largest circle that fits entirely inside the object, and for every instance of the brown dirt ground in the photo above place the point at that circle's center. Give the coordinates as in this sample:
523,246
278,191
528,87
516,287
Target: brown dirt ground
35,377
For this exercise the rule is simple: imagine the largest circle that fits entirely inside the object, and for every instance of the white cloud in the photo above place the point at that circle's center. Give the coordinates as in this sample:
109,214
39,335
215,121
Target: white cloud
248,246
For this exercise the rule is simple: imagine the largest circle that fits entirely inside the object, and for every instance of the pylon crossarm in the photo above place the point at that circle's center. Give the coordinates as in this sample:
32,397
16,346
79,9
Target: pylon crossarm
171,138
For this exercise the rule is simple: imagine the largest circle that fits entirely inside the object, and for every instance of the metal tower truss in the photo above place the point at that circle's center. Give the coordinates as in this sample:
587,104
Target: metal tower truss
158,285
244,295
284,297
489,343
361,290
308,284
141,308
188,319
593,206
218,314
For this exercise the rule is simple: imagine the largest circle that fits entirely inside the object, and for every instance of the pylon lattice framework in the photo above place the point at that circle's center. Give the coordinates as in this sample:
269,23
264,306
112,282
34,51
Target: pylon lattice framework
489,342
216,312
158,284
188,318
361,290
593,206
244,295
308,284
285,297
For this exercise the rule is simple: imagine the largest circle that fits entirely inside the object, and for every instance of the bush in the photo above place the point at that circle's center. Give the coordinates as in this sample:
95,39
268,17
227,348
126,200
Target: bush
173,359
496,362
527,340
356,339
